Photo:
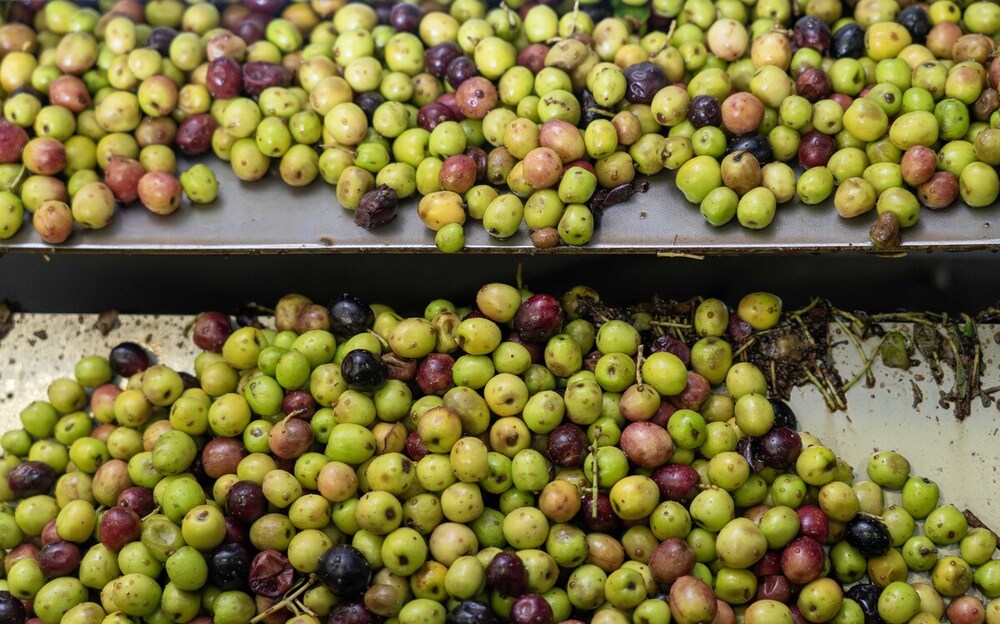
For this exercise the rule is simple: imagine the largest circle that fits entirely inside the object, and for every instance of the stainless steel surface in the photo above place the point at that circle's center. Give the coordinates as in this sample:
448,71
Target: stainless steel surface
271,217
44,347
963,457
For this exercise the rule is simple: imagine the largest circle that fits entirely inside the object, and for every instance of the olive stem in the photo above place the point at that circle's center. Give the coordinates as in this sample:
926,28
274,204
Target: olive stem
596,471
669,324
910,317
858,323
304,609
959,368
639,359
20,174
599,111
288,599
666,44
812,304
743,347
833,389
679,254
805,329
867,367
822,390
850,336
508,13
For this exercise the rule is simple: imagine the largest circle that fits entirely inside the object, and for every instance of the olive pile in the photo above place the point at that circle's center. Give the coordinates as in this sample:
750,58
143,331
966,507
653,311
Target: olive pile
513,114
510,461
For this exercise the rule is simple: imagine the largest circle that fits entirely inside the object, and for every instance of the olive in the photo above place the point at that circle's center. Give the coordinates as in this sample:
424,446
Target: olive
643,81
470,612
868,535
915,20
344,570
229,566
848,42
364,370
866,595
755,144
349,315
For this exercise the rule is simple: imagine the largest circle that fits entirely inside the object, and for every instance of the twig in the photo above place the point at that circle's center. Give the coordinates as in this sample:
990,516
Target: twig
857,345
639,359
743,347
821,387
833,389
812,304
866,368
679,254
669,324
853,319
805,329
284,602
596,470
303,608
907,317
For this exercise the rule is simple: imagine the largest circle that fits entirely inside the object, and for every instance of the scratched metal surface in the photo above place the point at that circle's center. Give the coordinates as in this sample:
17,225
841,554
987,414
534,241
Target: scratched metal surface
963,457
271,217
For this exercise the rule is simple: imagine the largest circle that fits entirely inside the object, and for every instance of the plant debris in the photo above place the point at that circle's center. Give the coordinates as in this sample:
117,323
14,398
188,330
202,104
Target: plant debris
798,350
605,198
107,321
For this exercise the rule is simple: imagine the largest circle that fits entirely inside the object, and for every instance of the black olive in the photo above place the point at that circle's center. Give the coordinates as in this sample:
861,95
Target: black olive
914,19
128,358
363,370
869,536
811,32
160,39
344,570
756,144
229,567
867,595
643,80
470,612
12,609
783,415
368,102
848,42
350,315
705,110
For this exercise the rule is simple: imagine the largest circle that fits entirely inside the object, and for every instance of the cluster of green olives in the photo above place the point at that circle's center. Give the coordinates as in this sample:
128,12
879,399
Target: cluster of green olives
513,115
515,460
